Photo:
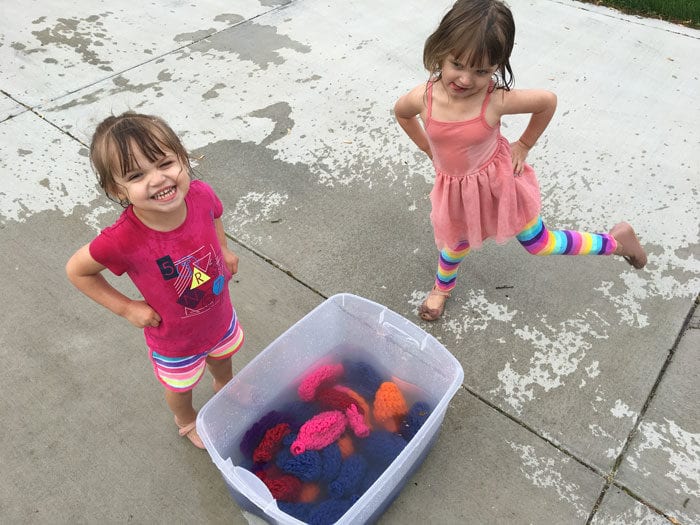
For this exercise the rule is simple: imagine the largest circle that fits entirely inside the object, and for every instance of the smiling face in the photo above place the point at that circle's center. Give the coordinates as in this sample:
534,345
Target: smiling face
140,161
155,185
462,80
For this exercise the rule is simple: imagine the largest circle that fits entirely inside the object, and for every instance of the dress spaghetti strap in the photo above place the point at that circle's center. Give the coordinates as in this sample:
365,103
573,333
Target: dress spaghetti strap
430,100
490,90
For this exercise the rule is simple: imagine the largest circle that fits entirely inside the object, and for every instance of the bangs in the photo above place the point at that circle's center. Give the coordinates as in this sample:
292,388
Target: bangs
480,48
135,135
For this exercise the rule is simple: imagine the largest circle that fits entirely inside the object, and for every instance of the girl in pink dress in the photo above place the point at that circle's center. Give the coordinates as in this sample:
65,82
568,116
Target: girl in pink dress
483,186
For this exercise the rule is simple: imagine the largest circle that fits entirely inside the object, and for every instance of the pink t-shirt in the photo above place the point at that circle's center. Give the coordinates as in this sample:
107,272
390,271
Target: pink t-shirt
181,274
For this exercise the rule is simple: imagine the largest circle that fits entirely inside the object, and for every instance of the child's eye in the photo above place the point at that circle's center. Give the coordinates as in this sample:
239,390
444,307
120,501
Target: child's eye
133,176
166,163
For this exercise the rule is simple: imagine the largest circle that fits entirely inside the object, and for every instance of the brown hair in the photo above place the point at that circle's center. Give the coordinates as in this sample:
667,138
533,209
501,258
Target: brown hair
113,142
481,31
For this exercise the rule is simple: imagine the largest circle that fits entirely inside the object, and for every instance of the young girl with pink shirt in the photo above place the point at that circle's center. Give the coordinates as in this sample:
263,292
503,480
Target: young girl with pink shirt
170,241
483,186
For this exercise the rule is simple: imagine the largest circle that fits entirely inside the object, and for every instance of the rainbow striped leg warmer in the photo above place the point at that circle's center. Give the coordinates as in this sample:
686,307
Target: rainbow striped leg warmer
448,264
538,240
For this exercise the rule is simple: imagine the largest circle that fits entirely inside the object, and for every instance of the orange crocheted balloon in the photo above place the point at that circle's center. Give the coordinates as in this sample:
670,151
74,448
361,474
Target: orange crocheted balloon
309,492
346,445
389,406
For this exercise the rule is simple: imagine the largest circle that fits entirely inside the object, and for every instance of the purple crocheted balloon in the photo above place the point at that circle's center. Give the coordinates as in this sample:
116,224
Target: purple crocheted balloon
306,466
352,471
382,447
362,378
419,413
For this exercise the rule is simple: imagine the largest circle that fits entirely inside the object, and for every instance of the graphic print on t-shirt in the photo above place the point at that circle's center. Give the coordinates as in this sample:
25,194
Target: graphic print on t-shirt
198,279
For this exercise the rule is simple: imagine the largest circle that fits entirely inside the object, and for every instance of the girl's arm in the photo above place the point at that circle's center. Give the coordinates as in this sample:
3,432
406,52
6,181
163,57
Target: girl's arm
407,109
541,104
230,258
85,274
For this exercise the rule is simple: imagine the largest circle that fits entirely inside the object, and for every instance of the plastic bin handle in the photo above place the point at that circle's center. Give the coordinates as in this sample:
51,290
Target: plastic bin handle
398,334
257,492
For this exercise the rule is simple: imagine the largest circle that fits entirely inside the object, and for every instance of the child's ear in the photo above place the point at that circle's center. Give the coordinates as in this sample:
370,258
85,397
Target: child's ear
120,195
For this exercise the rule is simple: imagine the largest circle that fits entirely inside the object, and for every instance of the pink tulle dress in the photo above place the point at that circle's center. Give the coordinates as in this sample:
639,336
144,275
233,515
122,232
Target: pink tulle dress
476,196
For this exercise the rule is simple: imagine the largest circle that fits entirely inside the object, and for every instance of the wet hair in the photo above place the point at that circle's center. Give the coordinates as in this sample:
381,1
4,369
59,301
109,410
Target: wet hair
481,32
111,149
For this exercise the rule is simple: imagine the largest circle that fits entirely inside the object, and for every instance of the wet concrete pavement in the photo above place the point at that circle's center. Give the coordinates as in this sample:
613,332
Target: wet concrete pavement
581,374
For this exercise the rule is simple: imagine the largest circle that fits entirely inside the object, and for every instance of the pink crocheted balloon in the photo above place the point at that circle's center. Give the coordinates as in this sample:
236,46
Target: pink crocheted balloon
359,401
322,375
357,422
319,432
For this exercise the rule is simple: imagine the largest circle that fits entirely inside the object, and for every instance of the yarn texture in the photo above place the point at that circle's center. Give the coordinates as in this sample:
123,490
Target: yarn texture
313,380
319,432
389,406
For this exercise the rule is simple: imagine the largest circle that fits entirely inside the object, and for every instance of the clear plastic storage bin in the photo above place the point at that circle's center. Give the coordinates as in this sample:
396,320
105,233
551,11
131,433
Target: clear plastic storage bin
343,326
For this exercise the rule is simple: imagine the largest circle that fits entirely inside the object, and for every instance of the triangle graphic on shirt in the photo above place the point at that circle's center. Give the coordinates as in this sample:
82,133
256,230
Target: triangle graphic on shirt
198,278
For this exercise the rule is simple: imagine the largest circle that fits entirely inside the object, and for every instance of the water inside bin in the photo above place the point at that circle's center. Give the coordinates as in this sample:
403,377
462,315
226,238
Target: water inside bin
321,483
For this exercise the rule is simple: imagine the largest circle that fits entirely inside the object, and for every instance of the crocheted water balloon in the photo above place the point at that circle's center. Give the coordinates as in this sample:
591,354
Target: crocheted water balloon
299,510
319,431
351,474
362,378
414,419
356,422
334,399
282,456
270,443
284,488
299,412
309,492
331,459
328,511
382,447
322,375
360,401
251,439
346,446
306,466
267,472
389,406
372,475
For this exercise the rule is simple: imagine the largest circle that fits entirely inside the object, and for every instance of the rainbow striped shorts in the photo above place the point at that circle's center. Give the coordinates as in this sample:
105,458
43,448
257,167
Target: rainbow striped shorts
181,374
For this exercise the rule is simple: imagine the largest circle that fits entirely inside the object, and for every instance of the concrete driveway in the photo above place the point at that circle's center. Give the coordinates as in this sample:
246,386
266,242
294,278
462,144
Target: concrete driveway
579,403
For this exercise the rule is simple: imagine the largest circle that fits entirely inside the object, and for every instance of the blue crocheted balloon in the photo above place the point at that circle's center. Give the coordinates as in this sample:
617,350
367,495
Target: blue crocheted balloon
414,419
372,475
329,511
382,447
331,459
305,466
352,471
299,413
362,378
299,510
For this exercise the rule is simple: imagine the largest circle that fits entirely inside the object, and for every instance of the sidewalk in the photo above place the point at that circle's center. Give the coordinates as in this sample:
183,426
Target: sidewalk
581,375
